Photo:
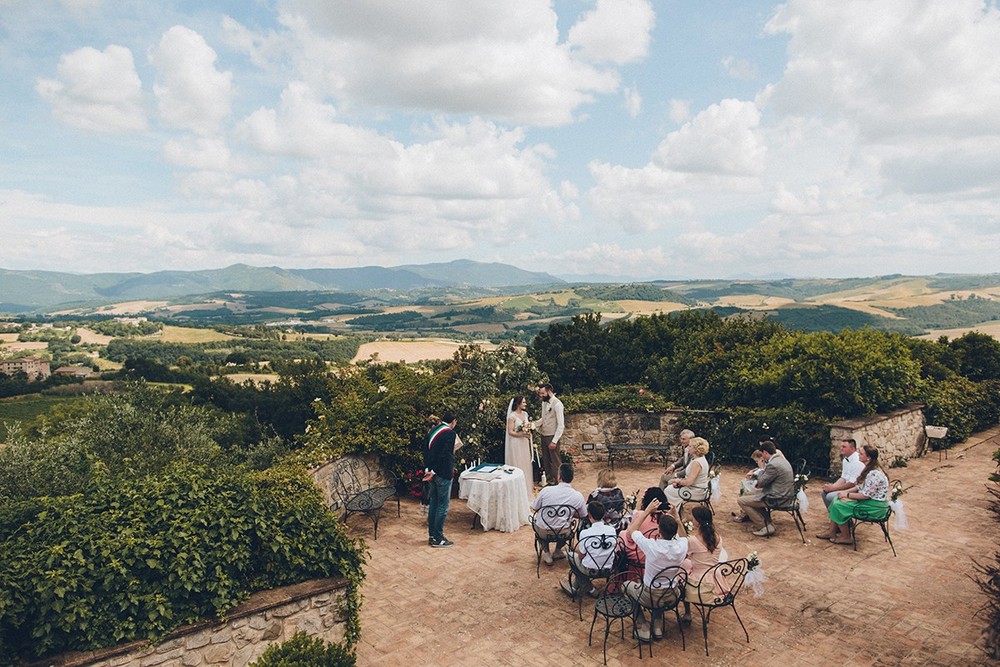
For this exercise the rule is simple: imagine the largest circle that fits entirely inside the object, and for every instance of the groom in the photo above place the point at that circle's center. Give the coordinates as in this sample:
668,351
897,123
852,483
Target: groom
551,427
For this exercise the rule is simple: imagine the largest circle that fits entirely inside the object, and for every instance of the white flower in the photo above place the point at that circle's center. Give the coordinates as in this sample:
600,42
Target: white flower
382,389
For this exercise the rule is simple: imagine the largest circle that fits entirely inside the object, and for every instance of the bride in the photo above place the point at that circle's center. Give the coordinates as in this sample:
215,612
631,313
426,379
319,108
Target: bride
517,443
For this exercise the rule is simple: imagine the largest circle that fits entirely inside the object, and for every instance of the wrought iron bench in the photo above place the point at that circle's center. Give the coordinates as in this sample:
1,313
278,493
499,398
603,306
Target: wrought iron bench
360,490
617,448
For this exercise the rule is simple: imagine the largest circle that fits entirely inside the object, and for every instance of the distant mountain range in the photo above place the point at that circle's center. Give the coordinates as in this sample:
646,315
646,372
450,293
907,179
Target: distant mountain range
27,291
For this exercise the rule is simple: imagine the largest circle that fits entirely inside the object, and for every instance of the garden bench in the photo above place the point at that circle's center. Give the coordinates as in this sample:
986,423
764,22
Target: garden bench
360,490
616,448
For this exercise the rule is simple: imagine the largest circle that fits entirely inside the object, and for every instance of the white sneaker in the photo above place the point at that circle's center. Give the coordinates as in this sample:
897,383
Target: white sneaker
765,531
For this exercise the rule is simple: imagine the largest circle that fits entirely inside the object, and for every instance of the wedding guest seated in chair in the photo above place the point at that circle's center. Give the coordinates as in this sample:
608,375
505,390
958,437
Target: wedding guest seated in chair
695,474
748,485
869,495
594,553
633,554
776,484
609,495
551,527
704,546
669,551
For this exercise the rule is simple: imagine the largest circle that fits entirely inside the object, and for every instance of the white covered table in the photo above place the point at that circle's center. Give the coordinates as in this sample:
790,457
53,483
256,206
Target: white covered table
499,498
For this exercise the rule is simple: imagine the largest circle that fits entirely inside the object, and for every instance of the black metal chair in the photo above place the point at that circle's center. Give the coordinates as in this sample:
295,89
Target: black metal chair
726,577
790,505
612,604
630,557
553,524
664,593
360,490
601,550
876,516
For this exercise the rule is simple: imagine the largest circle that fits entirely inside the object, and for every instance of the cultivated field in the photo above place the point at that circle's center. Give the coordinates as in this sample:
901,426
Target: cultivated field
171,334
412,350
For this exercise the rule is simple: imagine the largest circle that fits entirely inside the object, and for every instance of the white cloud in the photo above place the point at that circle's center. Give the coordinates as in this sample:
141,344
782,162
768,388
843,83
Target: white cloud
96,90
633,101
740,69
479,57
680,111
723,139
615,30
193,95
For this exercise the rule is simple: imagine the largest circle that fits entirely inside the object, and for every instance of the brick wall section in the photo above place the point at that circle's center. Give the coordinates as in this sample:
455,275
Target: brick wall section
265,618
587,432
896,434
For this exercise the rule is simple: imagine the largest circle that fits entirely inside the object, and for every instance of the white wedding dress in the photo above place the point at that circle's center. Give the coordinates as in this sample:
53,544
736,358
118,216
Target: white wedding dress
517,451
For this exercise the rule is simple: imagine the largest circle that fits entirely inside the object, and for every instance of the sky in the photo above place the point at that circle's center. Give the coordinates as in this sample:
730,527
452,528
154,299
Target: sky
641,139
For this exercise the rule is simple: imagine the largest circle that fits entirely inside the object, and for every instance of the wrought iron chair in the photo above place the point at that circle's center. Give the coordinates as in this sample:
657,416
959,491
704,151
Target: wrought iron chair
727,578
700,495
877,516
360,490
553,524
612,604
664,593
791,505
601,550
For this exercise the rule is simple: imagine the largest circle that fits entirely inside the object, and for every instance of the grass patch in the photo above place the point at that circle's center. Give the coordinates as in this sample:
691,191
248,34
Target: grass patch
172,334
24,409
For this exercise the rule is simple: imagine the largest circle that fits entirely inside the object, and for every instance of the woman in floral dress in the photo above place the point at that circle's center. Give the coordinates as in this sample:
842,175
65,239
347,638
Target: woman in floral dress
869,497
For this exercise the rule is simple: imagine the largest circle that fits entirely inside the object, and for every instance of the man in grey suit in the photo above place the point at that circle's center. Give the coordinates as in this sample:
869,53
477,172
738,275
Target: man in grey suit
776,484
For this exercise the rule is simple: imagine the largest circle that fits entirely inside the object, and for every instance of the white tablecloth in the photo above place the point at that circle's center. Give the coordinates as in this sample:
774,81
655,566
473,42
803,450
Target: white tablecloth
501,502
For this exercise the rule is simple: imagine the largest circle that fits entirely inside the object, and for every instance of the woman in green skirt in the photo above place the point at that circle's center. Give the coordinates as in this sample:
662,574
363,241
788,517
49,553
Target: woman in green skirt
868,496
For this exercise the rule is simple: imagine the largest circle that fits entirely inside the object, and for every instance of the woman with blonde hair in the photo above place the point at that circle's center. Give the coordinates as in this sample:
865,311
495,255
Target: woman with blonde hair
869,495
695,475
608,494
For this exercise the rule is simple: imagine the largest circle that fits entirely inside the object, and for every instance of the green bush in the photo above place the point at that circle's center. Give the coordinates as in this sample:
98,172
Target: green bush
625,398
733,434
305,651
132,558
962,405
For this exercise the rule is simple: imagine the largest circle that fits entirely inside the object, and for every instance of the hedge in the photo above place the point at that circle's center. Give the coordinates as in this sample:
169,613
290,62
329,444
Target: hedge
134,558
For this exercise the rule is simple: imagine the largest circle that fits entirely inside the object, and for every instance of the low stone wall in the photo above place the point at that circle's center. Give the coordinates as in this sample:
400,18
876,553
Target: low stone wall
897,434
265,618
587,433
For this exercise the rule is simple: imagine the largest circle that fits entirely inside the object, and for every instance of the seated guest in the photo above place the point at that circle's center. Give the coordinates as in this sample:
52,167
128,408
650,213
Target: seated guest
558,494
695,475
869,496
748,485
678,466
609,495
776,484
704,545
592,556
633,552
850,468
667,551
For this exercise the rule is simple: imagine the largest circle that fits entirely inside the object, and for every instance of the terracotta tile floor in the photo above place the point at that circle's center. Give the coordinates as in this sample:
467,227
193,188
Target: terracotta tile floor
479,602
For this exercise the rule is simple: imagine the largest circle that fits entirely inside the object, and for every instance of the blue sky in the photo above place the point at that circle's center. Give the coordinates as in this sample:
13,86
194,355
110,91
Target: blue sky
649,139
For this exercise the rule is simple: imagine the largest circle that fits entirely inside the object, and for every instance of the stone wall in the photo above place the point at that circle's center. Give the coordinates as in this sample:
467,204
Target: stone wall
265,618
896,434
587,432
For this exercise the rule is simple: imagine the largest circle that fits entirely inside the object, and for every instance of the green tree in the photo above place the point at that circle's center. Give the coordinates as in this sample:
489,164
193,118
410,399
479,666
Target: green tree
979,356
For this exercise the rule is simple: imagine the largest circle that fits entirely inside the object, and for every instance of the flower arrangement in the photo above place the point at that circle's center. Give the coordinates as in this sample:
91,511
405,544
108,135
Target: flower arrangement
755,577
688,527
525,427
413,482
800,482
713,472
896,491
631,501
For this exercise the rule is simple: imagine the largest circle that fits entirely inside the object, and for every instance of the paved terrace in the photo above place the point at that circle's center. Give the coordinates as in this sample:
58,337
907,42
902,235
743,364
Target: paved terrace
479,602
